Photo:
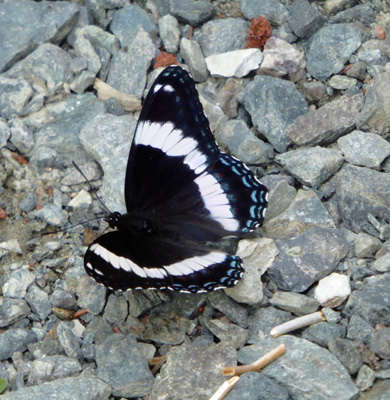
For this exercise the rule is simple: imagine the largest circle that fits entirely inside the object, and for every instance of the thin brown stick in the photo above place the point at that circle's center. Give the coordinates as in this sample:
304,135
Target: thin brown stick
225,388
129,102
158,364
258,364
297,323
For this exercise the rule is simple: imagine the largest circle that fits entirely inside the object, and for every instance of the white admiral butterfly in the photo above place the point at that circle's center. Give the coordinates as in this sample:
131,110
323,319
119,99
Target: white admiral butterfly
180,193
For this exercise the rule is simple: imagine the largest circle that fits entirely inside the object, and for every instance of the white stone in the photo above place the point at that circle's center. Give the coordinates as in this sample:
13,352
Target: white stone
11,245
282,59
332,290
82,198
18,283
236,63
258,255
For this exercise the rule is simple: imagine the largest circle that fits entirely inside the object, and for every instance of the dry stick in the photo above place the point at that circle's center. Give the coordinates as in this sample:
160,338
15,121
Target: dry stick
258,364
297,323
225,388
129,102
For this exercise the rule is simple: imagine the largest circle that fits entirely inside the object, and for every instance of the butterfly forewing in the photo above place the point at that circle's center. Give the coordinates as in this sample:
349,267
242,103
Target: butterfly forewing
180,191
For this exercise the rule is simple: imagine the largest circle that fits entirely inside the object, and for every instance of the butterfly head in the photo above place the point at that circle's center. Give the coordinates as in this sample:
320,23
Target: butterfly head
113,219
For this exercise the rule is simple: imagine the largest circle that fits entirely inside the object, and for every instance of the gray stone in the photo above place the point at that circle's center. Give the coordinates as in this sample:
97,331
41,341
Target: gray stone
380,343
279,199
330,49
366,245
364,149
273,10
375,115
304,19
314,90
63,299
222,36
14,95
359,329
323,332
21,137
340,82
328,380
99,38
12,310
382,263
50,368
362,191
347,351
15,340
193,57
311,166
4,133
328,123
69,341
28,202
357,70
58,129
27,24
242,143
228,333
80,388
371,301
17,284
365,378
129,66
213,112
361,13
191,12
255,386
90,294
227,97
262,320
304,211
190,367
295,303
121,365
273,104
379,391
39,302
126,22
116,309
52,214
307,258
170,33
108,137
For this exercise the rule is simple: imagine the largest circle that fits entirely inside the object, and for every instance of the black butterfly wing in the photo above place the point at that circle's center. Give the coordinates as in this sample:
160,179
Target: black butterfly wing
122,260
177,177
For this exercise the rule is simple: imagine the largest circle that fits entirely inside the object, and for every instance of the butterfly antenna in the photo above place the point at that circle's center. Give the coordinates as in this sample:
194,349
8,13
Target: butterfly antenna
72,226
90,186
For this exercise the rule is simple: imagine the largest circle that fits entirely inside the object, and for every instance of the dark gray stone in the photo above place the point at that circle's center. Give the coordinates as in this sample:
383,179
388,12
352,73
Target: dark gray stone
380,343
362,191
330,49
108,137
273,104
47,348
80,388
255,386
359,329
26,24
323,332
193,57
39,302
347,351
304,19
28,202
304,211
242,143
228,333
361,13
15,340
63,299
364,149
311,166
222,36
328,123
262,320
307,258
61,135
116,309
12,310
129,66
273,10
121,365
189,367
280,198
327,380
371,301
125,23
191,11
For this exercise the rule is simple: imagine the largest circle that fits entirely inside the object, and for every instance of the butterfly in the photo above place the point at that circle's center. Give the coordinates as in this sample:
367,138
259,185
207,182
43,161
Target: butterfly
181,192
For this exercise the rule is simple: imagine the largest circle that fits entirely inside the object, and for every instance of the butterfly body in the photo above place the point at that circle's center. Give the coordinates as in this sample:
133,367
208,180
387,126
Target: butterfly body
180,193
